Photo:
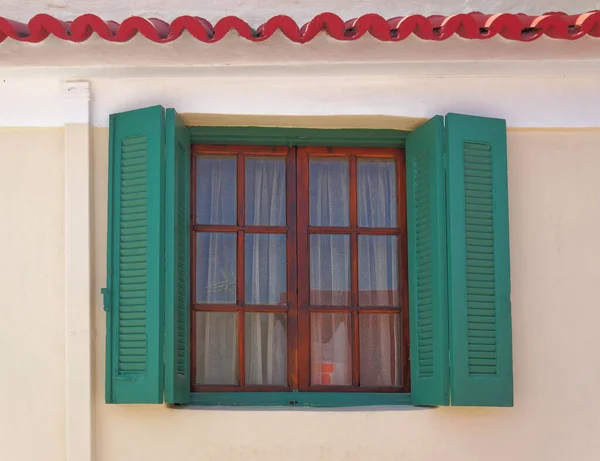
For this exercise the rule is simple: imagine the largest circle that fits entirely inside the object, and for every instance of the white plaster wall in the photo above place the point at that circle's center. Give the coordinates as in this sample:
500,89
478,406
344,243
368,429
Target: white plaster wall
451,56
257,11
32,365
525,102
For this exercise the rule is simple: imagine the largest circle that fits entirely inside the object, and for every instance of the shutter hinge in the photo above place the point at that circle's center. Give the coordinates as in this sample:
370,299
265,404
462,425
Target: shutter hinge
106,298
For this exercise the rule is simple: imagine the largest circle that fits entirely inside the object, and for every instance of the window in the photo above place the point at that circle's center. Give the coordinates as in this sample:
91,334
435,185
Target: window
334,321
244,286
299,272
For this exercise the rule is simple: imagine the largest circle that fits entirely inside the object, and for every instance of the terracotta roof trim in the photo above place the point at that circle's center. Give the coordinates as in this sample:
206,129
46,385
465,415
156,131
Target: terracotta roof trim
474,26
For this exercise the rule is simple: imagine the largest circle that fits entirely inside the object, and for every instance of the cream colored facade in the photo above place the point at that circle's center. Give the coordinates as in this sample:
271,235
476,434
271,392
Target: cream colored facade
554,246
54,152
33,330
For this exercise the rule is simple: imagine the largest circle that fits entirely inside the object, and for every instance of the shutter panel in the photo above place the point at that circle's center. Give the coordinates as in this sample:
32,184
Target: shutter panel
426,208
135,266
177,261
478,262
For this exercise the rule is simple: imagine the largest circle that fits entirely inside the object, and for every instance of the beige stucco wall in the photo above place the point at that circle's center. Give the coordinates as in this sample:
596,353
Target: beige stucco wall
554,223
554,197
32,365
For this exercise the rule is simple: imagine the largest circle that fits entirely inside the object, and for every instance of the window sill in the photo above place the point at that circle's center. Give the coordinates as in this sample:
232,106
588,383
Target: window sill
298,399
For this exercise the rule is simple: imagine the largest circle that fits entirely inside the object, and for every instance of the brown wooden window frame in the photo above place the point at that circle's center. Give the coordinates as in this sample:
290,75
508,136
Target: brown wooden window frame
297,231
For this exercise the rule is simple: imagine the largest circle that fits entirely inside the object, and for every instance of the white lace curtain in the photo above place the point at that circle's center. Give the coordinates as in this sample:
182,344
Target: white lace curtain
265,281
330,263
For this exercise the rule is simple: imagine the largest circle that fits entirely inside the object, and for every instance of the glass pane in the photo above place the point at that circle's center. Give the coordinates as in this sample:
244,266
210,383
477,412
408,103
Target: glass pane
378,270
330,349
266,348
215,268
216,348
216,189
328,190
265,191
380,358
265,269
329,270
376,190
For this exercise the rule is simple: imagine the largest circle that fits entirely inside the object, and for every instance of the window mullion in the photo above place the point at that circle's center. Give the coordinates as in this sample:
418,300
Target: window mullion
241,192
302,267
354,271
292,271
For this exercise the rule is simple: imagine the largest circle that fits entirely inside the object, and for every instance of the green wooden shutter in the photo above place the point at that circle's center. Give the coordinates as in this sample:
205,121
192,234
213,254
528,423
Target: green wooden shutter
426,208
478,262
177,261
134,297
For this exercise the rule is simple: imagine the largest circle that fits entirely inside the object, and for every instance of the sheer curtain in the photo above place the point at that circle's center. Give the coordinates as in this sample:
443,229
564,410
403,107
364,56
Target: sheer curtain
216,331
379,350
378,273
216,189
329,192
265,272
329,254
265,277
378,286
331,353
216,339
331,349
376,190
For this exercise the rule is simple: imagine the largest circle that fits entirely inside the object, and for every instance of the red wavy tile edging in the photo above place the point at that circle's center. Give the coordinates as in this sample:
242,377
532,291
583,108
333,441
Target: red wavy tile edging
475,26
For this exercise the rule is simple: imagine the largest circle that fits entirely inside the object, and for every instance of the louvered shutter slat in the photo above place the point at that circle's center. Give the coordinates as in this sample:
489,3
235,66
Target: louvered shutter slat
177,363
478,256
427,264
135,266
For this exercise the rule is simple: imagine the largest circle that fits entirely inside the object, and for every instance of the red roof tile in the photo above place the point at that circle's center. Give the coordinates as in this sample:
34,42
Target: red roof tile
476,26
